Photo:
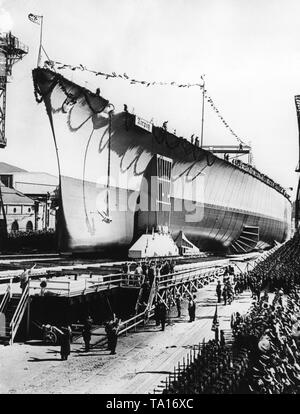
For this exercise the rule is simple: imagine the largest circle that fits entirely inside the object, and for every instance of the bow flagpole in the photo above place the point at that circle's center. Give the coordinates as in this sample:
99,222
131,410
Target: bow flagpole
202,118
38,20
41,41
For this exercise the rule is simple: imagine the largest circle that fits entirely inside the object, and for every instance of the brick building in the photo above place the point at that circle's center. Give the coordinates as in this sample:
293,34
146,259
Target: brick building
19,210
37,188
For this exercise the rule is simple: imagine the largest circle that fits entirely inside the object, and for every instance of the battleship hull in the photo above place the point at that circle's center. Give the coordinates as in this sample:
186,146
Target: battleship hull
121,177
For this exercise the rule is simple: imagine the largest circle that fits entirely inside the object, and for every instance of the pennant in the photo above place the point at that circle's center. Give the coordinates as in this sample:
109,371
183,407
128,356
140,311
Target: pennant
215,322
297,103
34,18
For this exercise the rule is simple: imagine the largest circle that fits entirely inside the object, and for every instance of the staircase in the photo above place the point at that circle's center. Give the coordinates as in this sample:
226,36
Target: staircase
13,308
150,299
247,240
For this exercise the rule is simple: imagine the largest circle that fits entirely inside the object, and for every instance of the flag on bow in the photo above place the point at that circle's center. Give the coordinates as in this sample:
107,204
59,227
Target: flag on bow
34,18
215,322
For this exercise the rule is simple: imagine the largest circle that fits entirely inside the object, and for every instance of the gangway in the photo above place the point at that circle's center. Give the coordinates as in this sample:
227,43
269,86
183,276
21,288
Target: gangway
165,288
13,307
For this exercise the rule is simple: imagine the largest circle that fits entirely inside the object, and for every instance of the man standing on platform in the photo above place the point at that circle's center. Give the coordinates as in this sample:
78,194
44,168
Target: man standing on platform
192,308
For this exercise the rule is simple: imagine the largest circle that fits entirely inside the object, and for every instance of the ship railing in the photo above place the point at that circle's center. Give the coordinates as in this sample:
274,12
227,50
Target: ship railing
55,287
262,177
74,287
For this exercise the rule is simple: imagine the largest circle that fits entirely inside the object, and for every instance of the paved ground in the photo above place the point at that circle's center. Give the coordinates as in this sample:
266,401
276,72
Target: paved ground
143,360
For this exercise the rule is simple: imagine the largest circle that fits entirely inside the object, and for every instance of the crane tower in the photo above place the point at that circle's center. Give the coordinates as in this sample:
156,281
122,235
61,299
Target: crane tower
11,51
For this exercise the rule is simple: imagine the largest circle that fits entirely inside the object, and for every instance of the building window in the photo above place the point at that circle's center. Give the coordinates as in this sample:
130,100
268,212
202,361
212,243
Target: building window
14,227
29,226
14,210
29,210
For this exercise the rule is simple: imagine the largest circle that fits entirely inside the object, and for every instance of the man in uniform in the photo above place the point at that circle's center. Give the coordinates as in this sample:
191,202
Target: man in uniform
192,308
219,291
86,334
162,315
178,306
111,329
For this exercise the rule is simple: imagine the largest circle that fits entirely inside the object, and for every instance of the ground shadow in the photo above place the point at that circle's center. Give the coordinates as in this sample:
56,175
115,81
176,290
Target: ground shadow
154,372
199,318
88,354
38,342
33,359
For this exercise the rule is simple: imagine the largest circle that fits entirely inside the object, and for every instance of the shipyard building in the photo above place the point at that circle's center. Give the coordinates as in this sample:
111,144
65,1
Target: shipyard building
27,199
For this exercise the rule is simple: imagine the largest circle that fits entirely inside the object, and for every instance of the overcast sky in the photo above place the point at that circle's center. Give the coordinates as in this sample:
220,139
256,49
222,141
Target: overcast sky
248,50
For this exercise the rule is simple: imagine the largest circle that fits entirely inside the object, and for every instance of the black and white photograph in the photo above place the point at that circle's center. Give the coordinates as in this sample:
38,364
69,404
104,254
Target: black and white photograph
149,199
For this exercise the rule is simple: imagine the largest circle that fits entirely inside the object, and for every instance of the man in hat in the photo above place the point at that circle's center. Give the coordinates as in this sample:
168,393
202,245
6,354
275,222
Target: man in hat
162,315
219,291
178,305
24,277
111,329
65,343
86,334
192,308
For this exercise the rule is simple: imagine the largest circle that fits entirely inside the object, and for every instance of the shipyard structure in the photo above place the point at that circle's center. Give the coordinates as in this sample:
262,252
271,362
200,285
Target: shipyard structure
129,185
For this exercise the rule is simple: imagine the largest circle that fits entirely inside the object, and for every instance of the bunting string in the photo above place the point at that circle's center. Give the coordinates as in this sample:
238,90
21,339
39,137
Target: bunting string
213,106
53,65
50,64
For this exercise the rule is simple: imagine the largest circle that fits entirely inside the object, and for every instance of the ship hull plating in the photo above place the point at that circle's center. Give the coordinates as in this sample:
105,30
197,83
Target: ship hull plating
119,180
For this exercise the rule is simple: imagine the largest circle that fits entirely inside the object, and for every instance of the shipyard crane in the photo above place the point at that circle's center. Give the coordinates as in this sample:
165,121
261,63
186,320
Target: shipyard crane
11,51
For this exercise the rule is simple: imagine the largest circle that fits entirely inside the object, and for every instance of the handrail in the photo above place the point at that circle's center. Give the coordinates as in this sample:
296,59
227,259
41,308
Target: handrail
125,323
88,285
5,299
192,273
140,318
19,312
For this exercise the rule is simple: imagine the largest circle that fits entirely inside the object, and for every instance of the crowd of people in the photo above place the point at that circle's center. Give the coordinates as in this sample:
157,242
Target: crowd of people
215,370
271,333
281,270
266,339
227,291
271,328
43,240
147,270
